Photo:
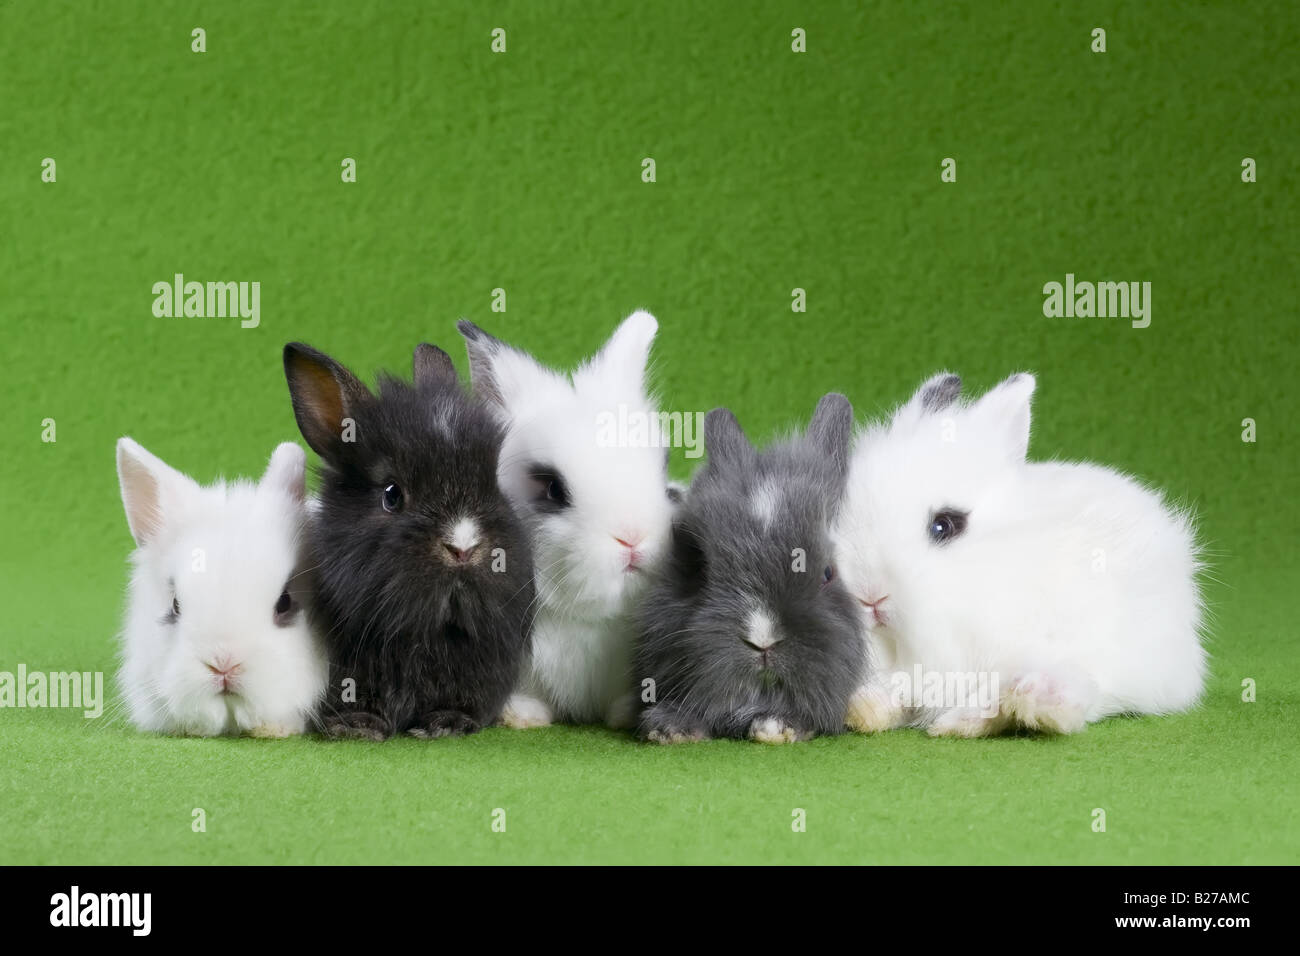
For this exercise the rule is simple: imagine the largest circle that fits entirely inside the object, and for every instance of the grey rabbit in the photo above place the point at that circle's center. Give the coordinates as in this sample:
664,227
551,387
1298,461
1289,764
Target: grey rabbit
747,631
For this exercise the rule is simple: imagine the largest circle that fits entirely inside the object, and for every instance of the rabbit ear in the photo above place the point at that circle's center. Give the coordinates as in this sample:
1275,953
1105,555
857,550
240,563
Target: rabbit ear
831,430
938,392
433,366
499,373
725,441
287,471
1004,414
152,490
624,356
324,393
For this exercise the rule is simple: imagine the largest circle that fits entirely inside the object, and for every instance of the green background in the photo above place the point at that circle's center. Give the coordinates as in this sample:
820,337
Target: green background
775,171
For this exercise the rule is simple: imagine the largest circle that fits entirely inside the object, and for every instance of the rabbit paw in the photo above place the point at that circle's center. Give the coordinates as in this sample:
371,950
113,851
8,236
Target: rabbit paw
274,731
442,723
522,712
965,722
663,725
358,725
873,709
669,735
773,730
1038,701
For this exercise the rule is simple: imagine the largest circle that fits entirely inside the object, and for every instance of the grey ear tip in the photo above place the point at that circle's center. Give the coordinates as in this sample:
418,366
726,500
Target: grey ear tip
723,436
833,407
469,330
719,422
940,391
432,364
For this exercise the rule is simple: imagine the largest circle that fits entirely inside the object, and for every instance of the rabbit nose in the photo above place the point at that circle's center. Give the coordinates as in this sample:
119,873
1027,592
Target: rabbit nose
459,555
634,557
762,633
225,670
223,666
463,541
878,613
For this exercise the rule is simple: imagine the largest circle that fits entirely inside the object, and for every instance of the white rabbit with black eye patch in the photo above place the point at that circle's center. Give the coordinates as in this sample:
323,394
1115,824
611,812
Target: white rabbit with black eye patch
1042,596
598,512
216,640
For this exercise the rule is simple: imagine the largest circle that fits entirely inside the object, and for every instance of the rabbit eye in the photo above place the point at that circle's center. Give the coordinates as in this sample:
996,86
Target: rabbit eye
392,498
556,491
828,575
173,612
551,492
946,525
284,608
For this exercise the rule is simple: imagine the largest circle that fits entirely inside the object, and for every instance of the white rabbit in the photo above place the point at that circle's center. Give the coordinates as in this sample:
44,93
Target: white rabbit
1069,589
598,512
215,638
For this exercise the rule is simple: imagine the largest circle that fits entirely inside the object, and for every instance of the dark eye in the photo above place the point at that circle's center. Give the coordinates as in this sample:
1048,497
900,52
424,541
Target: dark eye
285,608
392,498
552,494
828,575
946,525
176,607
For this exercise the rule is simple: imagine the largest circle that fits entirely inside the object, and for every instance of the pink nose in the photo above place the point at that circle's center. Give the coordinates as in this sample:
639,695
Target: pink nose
224,670
634,557
876,610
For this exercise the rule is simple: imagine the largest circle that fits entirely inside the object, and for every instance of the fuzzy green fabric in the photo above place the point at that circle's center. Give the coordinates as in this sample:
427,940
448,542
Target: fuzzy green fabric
775,170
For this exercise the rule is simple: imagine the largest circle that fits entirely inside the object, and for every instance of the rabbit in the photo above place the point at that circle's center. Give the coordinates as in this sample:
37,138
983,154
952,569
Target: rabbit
748,631
1048,594
424,571
216,638
598,514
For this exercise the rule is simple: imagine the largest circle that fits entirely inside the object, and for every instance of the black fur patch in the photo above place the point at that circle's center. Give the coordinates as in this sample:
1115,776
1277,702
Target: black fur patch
434,648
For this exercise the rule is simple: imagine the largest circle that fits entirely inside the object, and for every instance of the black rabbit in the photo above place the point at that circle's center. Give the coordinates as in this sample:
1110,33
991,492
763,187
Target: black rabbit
425,577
